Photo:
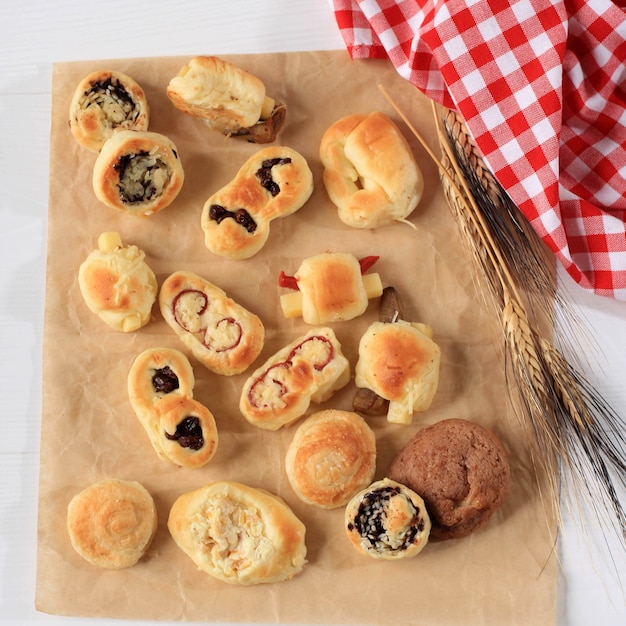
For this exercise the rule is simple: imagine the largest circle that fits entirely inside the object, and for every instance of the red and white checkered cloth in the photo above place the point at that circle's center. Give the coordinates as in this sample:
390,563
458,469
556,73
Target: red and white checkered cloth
541,85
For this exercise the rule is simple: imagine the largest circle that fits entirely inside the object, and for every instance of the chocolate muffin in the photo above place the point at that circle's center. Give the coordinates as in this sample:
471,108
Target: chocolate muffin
460,469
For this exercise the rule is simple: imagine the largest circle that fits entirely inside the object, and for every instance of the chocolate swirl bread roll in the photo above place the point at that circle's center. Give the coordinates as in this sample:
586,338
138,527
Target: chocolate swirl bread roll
112,523
239,534
139,173
104,102
387,520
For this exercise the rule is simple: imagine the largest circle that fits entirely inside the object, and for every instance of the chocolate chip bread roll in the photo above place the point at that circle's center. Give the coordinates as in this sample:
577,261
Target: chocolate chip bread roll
112,523
239,534
273,183
331,457
387,520
104,102
160,388
139,173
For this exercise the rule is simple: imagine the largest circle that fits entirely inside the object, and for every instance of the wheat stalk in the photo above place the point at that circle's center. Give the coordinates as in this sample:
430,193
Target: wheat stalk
566,420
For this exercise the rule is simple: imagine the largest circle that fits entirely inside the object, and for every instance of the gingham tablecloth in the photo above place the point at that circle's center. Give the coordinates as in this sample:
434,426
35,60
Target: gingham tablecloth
541,85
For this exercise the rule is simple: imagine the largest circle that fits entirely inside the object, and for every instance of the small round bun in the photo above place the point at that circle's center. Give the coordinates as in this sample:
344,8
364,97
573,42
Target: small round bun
103,103
331,457
387,520
112,523
460,469
138,172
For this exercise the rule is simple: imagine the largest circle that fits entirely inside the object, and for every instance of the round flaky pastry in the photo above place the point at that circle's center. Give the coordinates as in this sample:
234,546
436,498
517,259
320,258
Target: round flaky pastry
239,534
387,520
138,172
332,456
112,523
103,103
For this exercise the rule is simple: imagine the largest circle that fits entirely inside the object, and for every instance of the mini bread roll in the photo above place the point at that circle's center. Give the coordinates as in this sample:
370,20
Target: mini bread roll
388,521
310,369
400,363
239,534
370,173
461,469
160,388
228,99
224,336
139,173
104,102
331,457
273,183
332,289
117,284
112,523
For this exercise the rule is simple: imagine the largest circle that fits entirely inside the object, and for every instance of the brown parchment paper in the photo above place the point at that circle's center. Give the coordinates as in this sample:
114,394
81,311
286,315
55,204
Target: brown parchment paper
504,574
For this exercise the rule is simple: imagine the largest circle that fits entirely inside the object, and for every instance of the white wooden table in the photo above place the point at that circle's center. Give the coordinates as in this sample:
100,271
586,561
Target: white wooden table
35,34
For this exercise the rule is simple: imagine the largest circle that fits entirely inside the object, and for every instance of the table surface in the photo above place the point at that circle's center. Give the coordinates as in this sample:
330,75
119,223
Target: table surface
35,35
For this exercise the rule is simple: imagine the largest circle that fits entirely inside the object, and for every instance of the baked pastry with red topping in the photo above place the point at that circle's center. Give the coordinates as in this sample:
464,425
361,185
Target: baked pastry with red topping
461,469
331,457
310,369
112,523
273,183
239,534
223,335
104,102
370,172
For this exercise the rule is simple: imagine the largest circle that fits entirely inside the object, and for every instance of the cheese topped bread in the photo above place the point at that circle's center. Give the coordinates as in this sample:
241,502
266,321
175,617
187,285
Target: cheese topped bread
117,284
370,172
239,534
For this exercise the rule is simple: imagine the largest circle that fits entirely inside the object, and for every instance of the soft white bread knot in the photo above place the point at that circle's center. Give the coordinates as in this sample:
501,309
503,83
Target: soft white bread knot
370,173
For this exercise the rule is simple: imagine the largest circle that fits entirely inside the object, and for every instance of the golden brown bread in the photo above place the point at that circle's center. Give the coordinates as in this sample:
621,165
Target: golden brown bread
331,457
388,521
224,336
400,363
103,103
309,369
370,173
117,284
160,388
239,534
461,469
331,288
139,173
273,183
111,523
227,98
